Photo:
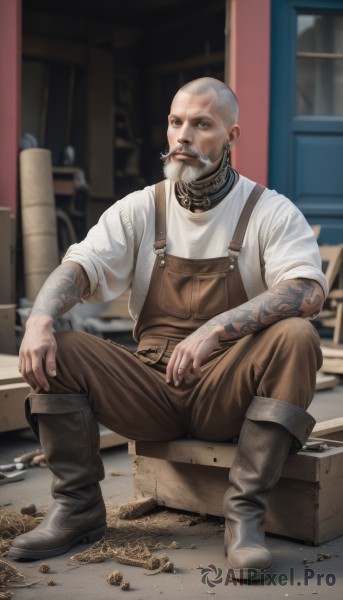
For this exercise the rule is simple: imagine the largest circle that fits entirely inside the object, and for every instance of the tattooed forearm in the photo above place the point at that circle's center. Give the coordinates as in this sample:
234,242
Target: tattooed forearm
292,298
62,290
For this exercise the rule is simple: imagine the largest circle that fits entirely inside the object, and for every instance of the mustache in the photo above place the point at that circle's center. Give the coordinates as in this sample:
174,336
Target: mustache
204,160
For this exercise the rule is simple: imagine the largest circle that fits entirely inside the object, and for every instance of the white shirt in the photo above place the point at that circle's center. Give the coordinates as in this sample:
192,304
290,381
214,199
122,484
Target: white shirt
118,251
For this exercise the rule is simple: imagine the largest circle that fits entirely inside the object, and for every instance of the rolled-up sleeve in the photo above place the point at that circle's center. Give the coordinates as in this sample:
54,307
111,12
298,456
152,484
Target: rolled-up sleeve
292,252
107,254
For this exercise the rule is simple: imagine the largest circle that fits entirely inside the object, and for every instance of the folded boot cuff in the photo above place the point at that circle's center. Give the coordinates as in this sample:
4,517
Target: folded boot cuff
295,419
57,403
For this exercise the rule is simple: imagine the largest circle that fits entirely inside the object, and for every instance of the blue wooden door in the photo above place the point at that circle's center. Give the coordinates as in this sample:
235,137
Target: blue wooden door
306,122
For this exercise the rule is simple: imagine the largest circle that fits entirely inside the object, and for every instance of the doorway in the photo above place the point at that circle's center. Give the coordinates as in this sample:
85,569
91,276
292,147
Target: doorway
306,124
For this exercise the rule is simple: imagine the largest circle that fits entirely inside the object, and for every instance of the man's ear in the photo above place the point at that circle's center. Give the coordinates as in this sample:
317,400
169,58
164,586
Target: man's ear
234,131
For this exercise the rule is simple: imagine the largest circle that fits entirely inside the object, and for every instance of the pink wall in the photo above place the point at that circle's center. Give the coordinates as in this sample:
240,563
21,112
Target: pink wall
249,78
10,61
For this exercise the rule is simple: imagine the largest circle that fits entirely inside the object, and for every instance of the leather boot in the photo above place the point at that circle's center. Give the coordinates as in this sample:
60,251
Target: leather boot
271,429
66,428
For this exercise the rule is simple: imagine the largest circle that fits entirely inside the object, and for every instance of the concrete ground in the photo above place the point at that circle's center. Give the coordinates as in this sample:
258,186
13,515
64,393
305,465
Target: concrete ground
200,554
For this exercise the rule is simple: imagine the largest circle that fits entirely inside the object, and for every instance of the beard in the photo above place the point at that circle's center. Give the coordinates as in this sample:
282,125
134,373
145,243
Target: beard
181,171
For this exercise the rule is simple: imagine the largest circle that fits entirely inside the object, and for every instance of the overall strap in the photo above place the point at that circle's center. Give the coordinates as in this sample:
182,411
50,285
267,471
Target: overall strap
238,236
160,222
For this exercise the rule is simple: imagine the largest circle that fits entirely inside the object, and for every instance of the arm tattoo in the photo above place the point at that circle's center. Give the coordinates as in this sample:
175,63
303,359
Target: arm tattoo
66,286
291,298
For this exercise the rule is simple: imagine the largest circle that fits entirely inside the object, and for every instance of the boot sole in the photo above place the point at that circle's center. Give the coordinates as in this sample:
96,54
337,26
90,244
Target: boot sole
85,538
248,575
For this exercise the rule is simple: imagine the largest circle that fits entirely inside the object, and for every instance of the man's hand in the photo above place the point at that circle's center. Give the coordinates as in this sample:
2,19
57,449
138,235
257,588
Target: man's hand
188,355
37,353
291,298
65,286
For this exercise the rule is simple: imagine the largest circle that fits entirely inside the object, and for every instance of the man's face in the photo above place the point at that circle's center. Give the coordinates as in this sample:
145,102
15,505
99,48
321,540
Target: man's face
197,135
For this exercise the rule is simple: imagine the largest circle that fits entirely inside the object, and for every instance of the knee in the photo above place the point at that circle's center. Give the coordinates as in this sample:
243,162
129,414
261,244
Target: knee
70,362
296,334
69,343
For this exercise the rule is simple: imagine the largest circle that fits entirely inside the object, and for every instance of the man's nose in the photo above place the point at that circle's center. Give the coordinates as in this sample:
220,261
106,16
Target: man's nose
184,136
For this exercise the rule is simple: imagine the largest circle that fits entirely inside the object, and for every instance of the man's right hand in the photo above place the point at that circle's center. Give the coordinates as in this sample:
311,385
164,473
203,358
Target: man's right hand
37,354
65,286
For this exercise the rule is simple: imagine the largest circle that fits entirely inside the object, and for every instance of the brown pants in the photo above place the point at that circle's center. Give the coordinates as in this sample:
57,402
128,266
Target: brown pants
132,398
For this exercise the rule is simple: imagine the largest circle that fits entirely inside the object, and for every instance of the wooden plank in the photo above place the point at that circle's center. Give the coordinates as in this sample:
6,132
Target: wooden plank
338,331
197,452
336,294
316,230
325,381
8,360
332,365
9,369
12,415
332,260
331,350
302,466
331,429
184,486
10,375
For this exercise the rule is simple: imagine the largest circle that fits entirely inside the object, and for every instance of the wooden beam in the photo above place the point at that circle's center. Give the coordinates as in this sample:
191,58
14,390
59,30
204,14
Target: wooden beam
52,49
189,63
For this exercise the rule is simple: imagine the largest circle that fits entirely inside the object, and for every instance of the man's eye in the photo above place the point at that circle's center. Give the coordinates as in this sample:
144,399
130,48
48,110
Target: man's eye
175,122
203,124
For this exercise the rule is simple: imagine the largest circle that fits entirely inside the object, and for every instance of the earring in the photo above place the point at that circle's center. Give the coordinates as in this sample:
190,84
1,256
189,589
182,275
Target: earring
228,149
228,153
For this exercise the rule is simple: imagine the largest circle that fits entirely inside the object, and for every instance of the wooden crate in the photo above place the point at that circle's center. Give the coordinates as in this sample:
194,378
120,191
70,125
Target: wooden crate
306,504
12,415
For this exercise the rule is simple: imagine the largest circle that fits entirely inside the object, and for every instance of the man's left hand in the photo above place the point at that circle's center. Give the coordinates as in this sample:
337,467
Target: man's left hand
188,355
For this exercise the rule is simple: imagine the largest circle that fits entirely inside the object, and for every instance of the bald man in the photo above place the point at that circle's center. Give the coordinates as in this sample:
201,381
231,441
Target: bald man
225,277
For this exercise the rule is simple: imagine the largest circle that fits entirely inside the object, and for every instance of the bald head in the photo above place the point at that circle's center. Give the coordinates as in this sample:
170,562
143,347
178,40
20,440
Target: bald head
227,100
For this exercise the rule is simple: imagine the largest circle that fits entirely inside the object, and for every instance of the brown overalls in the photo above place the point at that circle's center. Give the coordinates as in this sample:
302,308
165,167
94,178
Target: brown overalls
127,389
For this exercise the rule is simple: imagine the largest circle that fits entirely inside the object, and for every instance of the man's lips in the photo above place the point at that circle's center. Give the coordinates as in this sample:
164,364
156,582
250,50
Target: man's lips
184,154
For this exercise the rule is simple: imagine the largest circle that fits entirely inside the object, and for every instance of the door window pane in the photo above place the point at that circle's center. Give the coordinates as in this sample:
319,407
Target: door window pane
319,65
